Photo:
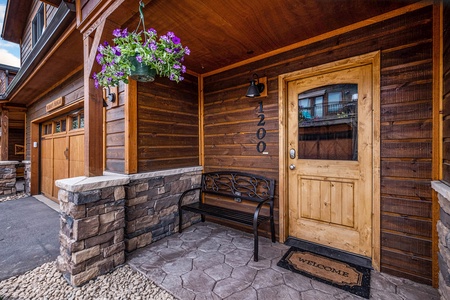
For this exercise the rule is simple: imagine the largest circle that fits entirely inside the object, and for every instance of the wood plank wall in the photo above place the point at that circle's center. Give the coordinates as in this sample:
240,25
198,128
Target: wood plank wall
231,122
115,133
15,137
446,95
168,124
26,46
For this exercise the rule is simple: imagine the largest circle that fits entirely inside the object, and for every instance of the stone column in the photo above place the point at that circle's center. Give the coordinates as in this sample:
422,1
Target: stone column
8,178
92,226
443,228
27,176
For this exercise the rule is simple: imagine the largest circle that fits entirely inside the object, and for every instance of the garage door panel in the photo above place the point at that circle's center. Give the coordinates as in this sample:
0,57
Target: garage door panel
76,158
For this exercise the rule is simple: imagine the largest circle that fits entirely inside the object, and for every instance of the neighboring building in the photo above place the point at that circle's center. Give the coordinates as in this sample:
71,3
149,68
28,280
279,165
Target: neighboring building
12,121
353,124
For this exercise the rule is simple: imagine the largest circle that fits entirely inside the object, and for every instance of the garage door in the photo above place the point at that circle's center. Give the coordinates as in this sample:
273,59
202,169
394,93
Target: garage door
62,151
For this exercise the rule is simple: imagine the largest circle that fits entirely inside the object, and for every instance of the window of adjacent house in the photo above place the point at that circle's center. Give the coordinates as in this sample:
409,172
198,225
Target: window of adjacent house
38,25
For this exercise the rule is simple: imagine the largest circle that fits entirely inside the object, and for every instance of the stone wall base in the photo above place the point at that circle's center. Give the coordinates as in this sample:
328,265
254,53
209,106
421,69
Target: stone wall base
102,217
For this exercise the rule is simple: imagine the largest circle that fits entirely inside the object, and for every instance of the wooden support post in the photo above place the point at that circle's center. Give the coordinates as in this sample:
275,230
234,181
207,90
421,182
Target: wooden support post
131,134
93,110
5,135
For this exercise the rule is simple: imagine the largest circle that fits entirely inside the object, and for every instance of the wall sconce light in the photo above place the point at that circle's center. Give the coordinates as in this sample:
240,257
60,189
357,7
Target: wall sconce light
257,87
109,95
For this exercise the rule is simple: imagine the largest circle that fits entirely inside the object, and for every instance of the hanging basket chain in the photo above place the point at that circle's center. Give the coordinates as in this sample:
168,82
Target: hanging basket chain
141,16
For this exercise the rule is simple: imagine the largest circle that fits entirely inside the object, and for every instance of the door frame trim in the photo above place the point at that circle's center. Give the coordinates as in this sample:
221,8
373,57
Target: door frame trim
372,58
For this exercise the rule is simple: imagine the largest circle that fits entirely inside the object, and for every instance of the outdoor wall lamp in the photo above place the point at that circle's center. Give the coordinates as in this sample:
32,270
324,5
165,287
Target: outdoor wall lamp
256,87
110,96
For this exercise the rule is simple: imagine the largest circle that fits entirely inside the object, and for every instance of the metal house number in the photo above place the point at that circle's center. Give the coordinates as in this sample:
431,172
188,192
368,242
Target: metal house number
261,132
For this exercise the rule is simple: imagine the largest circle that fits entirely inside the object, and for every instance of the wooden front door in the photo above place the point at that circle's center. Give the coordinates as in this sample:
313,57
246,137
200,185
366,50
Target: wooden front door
330,159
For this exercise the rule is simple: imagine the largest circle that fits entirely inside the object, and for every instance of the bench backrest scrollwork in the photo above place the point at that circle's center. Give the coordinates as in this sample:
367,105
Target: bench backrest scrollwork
238,185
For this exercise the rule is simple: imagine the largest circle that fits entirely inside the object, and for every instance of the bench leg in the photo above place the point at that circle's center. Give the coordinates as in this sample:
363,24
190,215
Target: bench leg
272,223
255,241
203,218
180,218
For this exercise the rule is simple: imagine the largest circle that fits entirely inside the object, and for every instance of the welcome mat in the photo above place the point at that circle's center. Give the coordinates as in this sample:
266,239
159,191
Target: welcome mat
347,276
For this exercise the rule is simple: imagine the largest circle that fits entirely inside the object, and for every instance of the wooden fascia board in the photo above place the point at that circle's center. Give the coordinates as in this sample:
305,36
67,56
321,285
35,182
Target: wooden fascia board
54,3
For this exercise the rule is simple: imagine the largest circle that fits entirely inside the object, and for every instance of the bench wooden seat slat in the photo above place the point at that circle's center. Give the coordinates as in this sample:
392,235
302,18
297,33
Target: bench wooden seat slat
238,186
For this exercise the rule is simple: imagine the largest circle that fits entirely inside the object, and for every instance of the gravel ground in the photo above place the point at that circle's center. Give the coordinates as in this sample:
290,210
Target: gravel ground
13,197
46,282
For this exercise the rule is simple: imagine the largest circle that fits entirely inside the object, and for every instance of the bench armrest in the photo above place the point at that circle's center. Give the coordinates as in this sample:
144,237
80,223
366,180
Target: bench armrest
258,209
180,200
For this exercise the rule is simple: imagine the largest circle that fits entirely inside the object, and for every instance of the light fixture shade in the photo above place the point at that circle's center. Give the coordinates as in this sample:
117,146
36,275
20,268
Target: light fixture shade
253,90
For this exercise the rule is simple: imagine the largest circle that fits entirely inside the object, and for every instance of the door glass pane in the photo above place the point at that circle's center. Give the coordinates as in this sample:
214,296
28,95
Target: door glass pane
328,123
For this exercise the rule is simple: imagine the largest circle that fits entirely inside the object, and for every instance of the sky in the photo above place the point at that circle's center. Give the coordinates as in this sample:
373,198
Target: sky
9,52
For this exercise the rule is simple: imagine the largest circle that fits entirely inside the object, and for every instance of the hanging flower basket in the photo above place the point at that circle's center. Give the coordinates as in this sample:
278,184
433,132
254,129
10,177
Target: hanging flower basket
139,71
133,52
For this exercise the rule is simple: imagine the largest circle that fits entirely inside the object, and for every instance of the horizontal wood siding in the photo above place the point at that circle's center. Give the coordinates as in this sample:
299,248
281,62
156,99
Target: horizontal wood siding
446,95
231,123
71,90
115,133
26,45
168,124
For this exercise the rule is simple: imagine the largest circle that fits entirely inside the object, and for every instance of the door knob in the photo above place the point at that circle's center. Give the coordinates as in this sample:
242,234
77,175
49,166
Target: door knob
292,167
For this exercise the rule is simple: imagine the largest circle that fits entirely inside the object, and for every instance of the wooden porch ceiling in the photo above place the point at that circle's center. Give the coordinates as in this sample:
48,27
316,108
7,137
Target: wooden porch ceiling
221,33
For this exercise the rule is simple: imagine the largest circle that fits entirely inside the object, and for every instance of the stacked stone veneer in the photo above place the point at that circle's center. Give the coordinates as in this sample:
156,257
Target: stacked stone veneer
8,178
27,176
443,228
102,217
152,206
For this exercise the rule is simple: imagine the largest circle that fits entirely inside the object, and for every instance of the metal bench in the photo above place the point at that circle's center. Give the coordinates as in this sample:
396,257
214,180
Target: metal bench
240,187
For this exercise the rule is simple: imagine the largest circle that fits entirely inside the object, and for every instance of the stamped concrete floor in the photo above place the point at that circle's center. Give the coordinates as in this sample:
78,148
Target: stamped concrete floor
210,261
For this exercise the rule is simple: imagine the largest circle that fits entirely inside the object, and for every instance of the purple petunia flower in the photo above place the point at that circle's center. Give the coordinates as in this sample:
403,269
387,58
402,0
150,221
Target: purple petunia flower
152,46
176,67
117,32
172,77
105,43
183,69
168,50
109,79
187,51
170,34
100,48
164,38
94,76
176,40
180,78
152,31
99,58
119,74
139,58
125,32
116,51
96,84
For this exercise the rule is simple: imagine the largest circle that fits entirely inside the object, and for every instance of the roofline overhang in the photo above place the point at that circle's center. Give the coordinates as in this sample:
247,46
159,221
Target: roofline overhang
9,68
63,18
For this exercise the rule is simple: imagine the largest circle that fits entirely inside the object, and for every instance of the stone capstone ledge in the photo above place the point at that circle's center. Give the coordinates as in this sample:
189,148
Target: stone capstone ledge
83,183
443,229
